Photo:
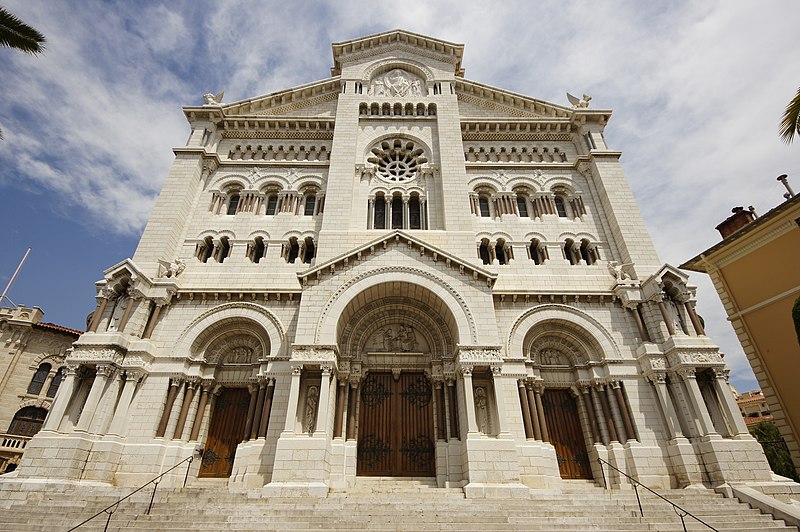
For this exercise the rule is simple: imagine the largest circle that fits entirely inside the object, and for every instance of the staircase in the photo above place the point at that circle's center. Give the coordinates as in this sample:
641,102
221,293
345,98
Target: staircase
380,504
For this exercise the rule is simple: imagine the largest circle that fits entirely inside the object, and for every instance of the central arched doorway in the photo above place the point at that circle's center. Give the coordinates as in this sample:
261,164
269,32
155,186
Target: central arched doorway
398,337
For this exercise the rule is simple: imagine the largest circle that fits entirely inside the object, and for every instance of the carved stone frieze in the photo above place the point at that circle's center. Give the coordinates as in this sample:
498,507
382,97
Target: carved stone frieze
96,355
682,357
479,356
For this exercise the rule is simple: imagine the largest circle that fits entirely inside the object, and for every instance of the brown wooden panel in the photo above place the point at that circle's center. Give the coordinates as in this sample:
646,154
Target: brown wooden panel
226,431
396,427
566,435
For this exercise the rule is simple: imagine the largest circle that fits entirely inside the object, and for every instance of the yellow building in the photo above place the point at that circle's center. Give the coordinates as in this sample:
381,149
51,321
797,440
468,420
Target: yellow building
754,408
756,271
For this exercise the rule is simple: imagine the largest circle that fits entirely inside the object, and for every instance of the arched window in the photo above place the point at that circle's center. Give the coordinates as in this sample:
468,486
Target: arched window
397,213
310,250
35,386
205,249
538,252
522,207
257,249
572,252
483,252
502,251
272,204
293,250
311,203
414,213
224,249
589,252
379,216
561,207
233,203
55,383
483,204
27,421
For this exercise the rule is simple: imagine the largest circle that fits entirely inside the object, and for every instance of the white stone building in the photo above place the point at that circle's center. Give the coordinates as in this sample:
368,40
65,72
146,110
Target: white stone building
399,272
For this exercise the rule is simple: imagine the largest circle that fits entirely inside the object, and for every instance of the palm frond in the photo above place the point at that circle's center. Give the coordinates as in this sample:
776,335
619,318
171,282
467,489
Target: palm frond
790,121
16,34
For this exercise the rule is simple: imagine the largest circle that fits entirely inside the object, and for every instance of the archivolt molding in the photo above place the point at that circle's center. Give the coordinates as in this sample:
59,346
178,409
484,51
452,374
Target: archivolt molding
609,350
244,311
38,403
415,67
56,358
327,323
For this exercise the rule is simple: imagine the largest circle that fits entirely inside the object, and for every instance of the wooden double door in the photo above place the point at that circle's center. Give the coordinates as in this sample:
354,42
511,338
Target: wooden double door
395,435
564,425
225,433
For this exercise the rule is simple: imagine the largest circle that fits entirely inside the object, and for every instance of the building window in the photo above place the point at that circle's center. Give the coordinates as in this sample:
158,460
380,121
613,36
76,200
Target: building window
309,251
55,383
483,204
397,161
502,252
233,203
589,252
205,249
293,250
257,250
272,204
522,207
379,217
35,386
572,252
223,250
538,252
414,213
27,421
397,213
311,203
483,252
561,207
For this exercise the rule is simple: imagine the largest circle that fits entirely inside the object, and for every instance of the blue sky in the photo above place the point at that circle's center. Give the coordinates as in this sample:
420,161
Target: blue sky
697,89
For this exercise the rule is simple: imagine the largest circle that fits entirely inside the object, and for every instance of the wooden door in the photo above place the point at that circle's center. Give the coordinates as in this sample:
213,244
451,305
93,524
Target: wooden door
564,425
225,433
395,436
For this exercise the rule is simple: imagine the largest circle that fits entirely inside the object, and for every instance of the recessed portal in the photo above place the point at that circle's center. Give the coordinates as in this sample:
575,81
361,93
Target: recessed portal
226,432
565,434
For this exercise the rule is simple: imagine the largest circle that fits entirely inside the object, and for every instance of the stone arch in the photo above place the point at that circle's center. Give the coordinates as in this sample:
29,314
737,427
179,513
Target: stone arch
326,331
579,326
255,319
57,360
229,180
415,67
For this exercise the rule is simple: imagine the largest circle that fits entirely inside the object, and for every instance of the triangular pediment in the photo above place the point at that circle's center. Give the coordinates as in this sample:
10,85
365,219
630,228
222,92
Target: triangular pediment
415,43
425,250
476,100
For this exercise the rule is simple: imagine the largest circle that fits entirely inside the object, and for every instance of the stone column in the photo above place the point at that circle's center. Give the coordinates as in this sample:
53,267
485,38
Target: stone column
262,392
526,410
616,414
441,411
405,212
537,428
623,406
62,398
670,417
640,326
126,316
612,429
338,422
698,327
265,412
187,402
294,396
469,400
696,400
251,410
165,415
502,414
173,419
542,418
453,402
600,416
666,317
593,423
371,212
324,402
201,410
104,371
352,399
121,414
98,311
148,331
583,414
728,404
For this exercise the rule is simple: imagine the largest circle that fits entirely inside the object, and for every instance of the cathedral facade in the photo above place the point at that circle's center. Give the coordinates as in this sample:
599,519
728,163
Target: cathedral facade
395,271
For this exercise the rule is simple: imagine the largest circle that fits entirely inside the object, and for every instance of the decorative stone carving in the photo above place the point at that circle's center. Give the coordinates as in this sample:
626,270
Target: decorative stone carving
213,99
398,338
555,351
617,270
240,355
480,356
320,354
235,349
579,103
396,82
310,416
482,410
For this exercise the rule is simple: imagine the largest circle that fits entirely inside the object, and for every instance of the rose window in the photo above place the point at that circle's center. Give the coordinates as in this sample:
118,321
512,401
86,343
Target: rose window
397,161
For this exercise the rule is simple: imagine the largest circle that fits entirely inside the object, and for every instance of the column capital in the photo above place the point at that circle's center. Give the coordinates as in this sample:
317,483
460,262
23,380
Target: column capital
686,373
657,378
297,369
106,370
466,371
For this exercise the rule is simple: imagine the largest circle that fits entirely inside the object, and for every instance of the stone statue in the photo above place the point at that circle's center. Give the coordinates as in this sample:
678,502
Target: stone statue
213,99
481,410
617,270
175,268
579,103
312,399
396,82
388,339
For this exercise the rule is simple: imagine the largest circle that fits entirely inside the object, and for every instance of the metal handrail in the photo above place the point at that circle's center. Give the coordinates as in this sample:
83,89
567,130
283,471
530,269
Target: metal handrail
680,512
115,505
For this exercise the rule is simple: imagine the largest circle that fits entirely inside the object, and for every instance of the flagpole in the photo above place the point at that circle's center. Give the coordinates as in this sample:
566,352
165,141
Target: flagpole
11,281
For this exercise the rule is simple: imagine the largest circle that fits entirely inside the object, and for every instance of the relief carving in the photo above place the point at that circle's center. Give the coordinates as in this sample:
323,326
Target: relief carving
312,401
396,82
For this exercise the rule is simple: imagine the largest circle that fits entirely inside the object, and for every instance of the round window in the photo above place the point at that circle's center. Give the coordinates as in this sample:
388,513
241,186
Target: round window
397,161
